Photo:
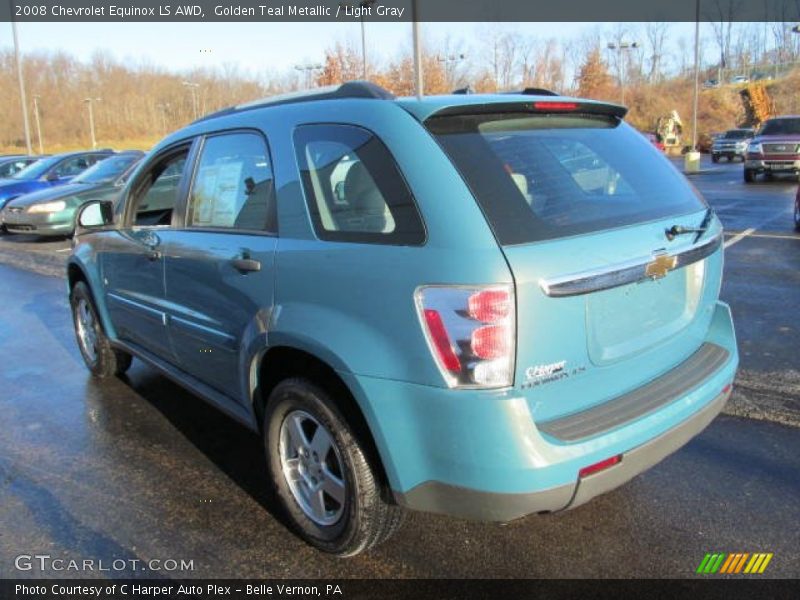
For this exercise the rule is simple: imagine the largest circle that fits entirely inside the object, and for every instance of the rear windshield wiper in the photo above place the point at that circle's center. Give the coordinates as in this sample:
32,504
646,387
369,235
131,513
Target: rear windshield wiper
677,230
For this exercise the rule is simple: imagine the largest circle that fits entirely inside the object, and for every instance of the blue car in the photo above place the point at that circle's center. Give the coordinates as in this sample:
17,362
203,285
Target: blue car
486,306
9,165
48,172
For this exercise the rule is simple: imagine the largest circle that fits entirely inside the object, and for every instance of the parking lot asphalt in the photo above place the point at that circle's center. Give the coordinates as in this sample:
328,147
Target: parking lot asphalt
138,469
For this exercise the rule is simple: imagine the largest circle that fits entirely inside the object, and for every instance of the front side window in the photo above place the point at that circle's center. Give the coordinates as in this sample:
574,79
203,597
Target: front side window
547,176
354,188
233,186
156,193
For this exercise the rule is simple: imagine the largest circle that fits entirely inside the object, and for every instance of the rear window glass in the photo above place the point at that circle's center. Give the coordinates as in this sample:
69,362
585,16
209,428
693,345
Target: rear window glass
781,127
540,177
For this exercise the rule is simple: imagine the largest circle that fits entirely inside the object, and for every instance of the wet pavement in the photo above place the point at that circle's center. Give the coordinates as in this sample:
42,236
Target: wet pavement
137,469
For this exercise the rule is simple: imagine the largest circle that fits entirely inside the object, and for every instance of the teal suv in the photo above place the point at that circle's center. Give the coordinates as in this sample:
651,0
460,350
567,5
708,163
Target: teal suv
480,305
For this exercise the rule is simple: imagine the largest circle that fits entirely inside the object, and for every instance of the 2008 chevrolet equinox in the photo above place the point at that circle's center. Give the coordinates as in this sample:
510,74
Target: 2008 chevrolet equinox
480,305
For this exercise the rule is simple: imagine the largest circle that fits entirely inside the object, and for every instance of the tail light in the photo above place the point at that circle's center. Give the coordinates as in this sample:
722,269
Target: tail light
470,332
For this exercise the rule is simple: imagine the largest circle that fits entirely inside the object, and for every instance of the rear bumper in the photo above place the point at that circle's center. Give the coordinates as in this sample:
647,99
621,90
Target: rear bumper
481,455
437,497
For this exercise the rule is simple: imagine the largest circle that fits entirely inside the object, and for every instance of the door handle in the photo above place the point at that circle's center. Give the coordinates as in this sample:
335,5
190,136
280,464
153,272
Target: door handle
245,265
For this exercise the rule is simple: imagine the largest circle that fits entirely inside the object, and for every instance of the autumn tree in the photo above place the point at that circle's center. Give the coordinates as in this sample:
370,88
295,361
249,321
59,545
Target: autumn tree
593,78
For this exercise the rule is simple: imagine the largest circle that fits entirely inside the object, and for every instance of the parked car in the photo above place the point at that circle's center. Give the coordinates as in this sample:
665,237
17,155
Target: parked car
48,172
51,211
9,165
775,149
509,306
732,144
737,79
710,84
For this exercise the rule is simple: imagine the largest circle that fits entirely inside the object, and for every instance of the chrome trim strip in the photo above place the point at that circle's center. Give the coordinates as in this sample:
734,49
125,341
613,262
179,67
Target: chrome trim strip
633,271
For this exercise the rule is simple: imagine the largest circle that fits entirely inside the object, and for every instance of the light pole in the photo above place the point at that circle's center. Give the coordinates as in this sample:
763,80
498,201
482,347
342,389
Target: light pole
622,62
364,6
193,87
448,60
22,99
418,81
308,69
696,91
36,98
90,103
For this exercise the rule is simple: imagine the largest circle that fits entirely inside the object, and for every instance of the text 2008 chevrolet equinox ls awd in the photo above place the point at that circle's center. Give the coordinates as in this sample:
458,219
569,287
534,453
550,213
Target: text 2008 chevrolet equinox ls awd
486,306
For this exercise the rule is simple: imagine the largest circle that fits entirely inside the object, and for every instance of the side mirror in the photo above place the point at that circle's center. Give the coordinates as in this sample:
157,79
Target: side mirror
95,215
52,176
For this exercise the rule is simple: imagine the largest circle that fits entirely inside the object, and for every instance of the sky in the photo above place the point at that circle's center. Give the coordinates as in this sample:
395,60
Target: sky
255,47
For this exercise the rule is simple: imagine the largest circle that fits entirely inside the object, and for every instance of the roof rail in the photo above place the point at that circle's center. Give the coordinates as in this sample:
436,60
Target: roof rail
350,89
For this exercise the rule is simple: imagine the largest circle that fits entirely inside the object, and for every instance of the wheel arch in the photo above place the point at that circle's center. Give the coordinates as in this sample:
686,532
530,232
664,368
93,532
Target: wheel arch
278,363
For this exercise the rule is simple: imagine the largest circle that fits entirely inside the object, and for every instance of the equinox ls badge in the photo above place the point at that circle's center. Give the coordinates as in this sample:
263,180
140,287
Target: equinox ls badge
660,266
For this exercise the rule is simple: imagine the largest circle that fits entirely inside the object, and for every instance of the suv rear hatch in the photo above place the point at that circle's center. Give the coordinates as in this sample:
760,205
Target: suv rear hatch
580,204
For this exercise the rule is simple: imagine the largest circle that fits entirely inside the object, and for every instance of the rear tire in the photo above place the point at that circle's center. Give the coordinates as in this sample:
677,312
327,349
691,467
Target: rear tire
101,359
796,216
323,475
749,176
715,158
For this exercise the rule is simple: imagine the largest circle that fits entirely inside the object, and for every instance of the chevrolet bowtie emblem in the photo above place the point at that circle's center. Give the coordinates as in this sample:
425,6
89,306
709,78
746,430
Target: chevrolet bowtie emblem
660,266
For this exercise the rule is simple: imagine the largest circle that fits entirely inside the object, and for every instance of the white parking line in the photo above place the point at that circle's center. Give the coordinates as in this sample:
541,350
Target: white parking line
738,237
776,236
64,250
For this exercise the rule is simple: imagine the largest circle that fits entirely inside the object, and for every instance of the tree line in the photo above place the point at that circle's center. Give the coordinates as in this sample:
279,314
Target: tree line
140,103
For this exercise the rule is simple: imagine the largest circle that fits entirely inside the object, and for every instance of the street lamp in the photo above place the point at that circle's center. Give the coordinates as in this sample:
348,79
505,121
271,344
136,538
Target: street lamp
308,69
364,5
622,63
193,87
22,100
90,103
36,98
448,60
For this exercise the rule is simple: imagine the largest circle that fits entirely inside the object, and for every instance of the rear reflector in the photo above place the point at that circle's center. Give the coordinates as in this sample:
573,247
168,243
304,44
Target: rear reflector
555,105
603,464
441,341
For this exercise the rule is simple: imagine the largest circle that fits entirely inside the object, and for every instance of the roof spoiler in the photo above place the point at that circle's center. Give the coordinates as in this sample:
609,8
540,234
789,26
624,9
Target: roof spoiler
559,106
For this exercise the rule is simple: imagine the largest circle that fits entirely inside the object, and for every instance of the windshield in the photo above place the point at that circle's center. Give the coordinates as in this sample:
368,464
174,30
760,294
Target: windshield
543,176
738,134
37,169
107,170
781,127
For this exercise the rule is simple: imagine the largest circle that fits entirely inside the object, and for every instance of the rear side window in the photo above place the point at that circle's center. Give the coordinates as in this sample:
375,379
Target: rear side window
354,188
539,176
233,186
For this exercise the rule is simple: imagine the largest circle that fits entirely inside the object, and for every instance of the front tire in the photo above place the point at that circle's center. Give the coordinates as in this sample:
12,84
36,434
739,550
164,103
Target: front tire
323,475
749,176
101,359
715,158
